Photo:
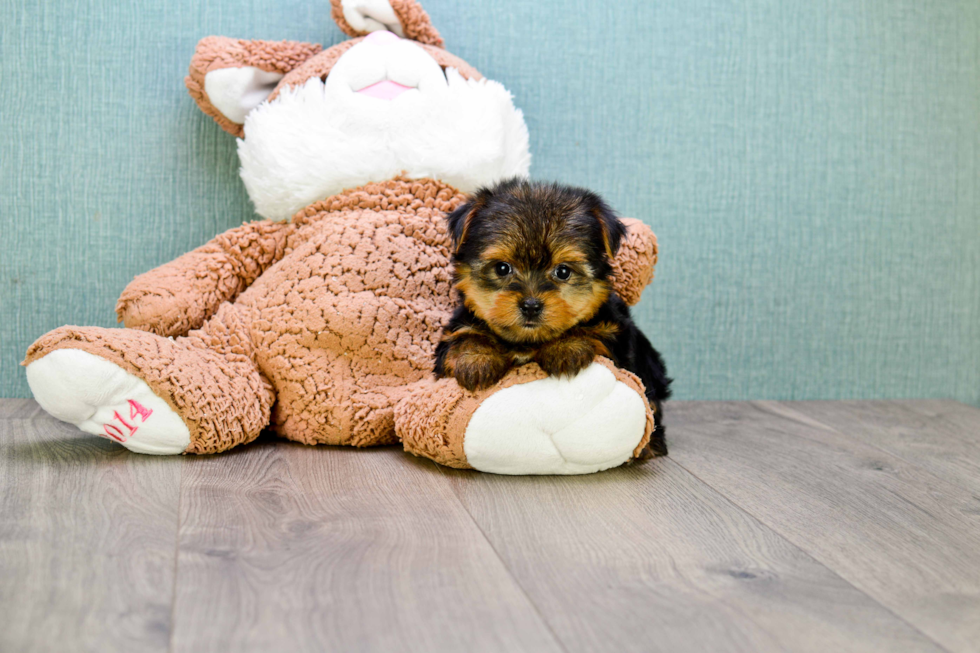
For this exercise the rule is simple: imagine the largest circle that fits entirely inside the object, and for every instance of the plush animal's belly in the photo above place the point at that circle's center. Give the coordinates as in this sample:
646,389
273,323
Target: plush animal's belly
347,319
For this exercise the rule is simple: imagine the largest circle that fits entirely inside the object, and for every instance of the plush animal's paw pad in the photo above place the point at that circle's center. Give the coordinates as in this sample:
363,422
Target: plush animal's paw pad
580,425
102,399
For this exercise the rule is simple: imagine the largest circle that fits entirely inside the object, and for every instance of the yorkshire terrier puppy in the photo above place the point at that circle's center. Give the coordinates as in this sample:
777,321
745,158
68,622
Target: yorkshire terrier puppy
532,266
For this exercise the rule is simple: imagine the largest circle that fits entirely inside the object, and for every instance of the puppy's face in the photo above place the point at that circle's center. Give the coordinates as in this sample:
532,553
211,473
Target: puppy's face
533,260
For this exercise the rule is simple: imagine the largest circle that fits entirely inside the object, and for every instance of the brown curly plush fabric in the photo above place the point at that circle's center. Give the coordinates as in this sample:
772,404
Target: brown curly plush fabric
334,316
217,52
318,66
180,295
415,21
634,264
435,414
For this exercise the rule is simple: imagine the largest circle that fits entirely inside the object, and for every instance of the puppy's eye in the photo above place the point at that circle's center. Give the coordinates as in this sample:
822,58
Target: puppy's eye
563,272
502,269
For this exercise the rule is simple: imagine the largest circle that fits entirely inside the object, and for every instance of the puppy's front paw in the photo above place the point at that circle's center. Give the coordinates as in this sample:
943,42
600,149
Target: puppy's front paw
566,356
476,371
474,361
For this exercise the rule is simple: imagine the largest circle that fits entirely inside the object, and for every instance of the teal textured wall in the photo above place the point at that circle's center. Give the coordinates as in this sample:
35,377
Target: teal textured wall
810,167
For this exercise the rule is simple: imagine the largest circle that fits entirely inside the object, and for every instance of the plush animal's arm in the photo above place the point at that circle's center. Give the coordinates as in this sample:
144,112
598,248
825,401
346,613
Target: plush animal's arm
228,77
180,295
635,260
434,419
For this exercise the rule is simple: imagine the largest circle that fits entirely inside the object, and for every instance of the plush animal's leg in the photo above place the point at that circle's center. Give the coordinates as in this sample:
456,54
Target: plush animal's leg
529,423
202,393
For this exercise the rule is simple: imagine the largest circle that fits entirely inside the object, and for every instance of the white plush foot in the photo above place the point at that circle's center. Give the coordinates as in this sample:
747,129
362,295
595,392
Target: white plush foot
103,399
557,426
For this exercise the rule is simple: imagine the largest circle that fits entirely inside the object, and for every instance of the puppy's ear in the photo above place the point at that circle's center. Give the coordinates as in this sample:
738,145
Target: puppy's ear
462,218
459,221
613,229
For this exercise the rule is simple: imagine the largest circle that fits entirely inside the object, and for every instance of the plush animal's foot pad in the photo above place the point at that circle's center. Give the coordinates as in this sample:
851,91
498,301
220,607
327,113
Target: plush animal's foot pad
103,399
581,425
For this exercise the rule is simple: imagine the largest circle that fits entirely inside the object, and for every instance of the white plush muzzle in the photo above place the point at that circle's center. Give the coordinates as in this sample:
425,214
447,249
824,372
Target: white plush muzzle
318,139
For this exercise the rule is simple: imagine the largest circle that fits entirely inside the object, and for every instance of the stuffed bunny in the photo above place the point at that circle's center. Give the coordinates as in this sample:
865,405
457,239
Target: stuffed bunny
320,321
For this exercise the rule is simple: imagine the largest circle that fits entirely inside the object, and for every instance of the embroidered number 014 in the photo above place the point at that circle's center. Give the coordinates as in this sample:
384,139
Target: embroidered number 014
125,430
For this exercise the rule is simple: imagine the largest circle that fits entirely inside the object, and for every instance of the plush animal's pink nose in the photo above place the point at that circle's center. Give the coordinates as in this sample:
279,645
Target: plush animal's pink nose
381,36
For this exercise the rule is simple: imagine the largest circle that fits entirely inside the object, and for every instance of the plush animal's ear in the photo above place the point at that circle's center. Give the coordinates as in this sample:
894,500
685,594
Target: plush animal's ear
613,229
230,77
406,18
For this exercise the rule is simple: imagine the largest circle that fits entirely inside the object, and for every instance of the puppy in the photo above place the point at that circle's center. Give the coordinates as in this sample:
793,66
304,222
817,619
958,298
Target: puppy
532,269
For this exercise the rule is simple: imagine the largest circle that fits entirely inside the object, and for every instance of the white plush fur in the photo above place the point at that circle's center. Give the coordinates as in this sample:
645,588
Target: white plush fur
316,140
581,425
94,394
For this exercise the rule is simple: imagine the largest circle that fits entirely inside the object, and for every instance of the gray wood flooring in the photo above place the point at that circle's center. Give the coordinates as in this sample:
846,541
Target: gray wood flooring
772,526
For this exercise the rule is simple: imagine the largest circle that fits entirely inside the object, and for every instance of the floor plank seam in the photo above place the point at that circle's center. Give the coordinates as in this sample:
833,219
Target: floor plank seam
173,599
806,553
935,421
867,443
863,441
517,582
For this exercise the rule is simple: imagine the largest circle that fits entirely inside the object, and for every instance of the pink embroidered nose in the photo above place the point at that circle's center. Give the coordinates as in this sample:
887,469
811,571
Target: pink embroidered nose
385,90
381,36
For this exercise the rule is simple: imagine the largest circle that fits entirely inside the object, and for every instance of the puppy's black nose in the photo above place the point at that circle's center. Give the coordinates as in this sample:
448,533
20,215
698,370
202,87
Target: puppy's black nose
531,306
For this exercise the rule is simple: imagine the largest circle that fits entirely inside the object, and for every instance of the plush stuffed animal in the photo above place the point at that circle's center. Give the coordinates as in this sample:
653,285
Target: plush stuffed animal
320,322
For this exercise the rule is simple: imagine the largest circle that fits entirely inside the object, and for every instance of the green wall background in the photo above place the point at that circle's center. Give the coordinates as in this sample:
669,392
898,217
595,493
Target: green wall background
810,167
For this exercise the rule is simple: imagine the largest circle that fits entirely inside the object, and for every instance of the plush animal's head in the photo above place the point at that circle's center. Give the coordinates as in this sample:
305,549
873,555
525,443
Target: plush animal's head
391,101
533,260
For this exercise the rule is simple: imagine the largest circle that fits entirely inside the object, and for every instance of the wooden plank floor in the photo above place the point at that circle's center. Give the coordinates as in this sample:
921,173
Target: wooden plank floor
772,526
